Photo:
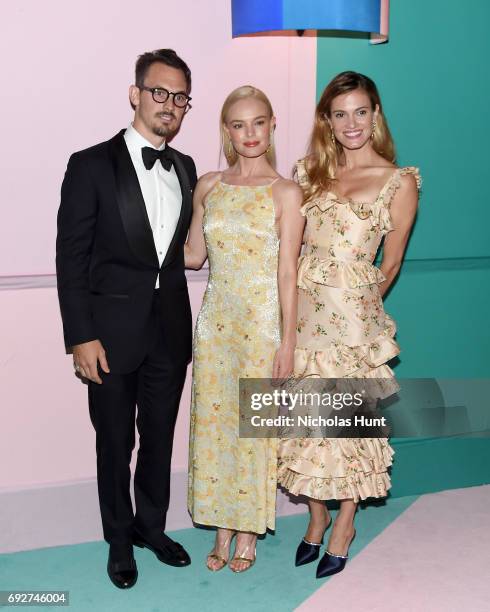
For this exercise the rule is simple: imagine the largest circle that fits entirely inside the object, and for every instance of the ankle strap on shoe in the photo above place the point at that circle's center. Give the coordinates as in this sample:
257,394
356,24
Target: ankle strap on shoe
337,556
311,543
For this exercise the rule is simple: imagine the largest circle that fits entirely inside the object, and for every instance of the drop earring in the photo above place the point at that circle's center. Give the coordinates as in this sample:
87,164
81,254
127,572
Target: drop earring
271,141
373,130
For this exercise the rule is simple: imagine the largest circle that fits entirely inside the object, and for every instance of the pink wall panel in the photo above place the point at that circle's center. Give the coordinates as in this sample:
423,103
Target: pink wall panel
66,67
46,434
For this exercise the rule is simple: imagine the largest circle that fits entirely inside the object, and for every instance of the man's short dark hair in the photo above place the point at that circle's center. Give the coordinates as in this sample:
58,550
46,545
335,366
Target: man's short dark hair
164,56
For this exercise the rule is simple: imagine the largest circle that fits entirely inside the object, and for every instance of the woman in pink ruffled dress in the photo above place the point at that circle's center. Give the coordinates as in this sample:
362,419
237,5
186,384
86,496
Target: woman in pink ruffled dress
354,196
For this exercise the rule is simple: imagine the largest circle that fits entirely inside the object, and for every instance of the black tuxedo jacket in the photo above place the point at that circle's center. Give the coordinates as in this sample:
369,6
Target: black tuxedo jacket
106,261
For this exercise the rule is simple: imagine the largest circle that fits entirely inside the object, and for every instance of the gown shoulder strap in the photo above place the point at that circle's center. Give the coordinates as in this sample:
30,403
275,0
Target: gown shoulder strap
393,183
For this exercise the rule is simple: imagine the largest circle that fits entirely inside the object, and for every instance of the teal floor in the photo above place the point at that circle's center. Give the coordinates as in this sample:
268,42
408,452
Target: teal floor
272,585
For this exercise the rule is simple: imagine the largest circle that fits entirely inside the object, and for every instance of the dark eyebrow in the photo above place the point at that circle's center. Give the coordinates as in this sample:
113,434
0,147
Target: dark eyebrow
339,110
254,119
180,91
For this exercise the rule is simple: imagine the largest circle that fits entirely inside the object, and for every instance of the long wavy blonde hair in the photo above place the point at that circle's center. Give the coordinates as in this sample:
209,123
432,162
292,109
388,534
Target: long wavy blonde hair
325,152
245,91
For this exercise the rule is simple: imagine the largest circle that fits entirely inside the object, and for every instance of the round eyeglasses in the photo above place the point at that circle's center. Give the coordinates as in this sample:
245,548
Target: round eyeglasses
160,95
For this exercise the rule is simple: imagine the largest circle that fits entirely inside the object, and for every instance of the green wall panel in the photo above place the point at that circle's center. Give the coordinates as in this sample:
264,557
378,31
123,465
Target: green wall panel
428,466
441,314
433,79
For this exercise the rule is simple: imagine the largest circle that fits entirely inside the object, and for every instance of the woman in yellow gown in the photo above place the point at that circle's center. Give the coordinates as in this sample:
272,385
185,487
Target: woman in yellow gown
247,221
354,196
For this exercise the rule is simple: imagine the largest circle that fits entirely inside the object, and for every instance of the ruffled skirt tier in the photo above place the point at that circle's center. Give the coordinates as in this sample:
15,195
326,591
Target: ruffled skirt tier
340,468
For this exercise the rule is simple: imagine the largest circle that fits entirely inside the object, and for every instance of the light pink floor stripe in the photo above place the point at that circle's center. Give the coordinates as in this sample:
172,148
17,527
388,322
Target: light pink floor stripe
434,558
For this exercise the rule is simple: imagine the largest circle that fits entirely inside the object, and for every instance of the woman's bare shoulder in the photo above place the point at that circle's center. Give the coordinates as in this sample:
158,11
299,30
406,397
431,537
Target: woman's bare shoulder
210,178
286,188
204,186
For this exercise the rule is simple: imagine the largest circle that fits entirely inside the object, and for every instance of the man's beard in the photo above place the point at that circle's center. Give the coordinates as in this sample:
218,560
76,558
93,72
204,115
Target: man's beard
164,130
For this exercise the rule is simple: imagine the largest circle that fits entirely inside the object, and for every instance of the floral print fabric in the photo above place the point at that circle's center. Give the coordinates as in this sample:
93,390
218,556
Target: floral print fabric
232,480
343,331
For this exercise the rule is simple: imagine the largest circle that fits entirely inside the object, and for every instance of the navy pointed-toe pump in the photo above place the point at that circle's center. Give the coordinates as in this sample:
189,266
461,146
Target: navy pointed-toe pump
331,564
307,552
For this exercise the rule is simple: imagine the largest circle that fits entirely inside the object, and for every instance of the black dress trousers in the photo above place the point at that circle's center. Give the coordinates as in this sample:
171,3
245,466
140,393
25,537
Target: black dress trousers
150,395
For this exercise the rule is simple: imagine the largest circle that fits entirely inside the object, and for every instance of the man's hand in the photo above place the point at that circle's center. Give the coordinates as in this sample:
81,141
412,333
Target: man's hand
85,358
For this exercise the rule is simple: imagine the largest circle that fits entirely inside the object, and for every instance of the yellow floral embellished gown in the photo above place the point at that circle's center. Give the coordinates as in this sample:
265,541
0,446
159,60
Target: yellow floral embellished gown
232,480
343,331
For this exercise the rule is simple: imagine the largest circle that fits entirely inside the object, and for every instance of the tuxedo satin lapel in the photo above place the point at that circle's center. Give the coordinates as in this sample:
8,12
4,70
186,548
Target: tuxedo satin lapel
131,203
185,188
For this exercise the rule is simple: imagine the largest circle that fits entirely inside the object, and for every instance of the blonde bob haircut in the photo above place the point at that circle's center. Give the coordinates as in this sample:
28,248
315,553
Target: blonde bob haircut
324,151
242,93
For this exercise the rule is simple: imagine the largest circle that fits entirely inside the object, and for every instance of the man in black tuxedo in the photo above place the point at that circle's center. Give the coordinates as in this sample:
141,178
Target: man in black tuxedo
122,223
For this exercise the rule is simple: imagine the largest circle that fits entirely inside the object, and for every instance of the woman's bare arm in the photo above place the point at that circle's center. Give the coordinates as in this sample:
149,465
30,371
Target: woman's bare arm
291,226
195,251
403,210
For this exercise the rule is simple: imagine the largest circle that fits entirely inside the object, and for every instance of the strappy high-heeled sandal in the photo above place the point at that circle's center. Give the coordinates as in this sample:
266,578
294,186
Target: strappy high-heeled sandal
216,557
243,557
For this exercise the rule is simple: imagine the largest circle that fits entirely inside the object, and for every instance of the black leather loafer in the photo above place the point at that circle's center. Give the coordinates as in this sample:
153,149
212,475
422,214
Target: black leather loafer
123,574
166,550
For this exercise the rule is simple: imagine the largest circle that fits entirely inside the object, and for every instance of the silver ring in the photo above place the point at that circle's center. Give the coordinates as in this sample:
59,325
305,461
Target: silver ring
77,367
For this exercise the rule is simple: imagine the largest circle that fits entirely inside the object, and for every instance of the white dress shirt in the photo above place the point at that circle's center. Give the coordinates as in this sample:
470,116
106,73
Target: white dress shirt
161,193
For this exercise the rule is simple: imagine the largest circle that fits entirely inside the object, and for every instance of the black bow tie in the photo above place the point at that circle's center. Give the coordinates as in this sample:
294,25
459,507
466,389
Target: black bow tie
150,156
